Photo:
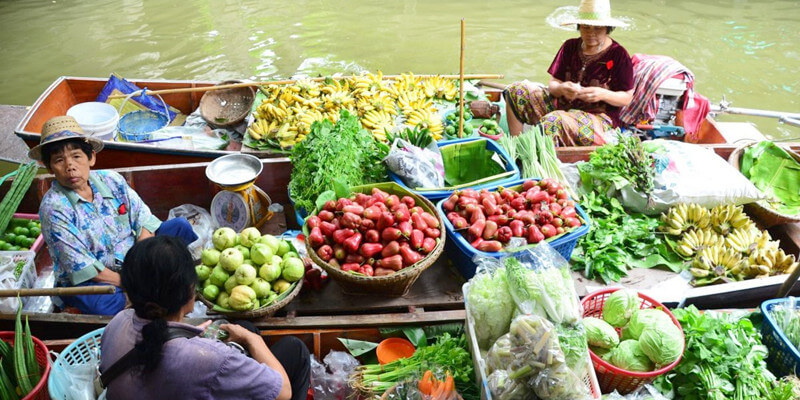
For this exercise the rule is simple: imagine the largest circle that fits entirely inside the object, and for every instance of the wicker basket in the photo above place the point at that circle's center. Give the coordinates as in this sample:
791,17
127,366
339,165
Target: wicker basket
398,283
267,311
227,107
766,216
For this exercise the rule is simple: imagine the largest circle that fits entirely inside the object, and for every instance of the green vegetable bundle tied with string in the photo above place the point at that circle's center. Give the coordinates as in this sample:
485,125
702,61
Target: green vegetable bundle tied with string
9,204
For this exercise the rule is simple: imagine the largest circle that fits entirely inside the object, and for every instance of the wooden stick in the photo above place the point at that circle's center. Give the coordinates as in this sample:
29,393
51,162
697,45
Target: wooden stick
788,284
286,82
461,85
59,291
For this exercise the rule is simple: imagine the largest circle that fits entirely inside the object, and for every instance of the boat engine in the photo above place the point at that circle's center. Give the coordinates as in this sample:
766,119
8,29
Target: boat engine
669,96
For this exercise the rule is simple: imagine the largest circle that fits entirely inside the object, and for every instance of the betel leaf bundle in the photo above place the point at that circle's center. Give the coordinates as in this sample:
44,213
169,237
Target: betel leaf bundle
344,152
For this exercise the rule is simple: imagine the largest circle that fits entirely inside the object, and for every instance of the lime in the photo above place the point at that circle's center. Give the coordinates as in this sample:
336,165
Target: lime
20,240
22,231
13,248
9,237
5,246
18,230
32,224
36,231
24,249
28,242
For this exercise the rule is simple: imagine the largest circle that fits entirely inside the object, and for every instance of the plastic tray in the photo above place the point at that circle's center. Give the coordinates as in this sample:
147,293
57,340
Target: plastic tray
461,252
783,358
589,379
441,194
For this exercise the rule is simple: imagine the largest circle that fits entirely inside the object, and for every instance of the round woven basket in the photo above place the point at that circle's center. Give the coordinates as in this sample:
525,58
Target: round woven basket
259,312
396,284
765,216
227,107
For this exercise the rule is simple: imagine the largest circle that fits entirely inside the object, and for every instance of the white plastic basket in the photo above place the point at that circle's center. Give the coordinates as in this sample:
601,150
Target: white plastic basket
8,262
589,377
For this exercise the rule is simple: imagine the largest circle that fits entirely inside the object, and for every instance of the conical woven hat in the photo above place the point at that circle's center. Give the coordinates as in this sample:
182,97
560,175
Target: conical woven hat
594,13
62,128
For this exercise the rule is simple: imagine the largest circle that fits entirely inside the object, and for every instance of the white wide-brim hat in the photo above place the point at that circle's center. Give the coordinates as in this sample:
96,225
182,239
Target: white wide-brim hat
594,13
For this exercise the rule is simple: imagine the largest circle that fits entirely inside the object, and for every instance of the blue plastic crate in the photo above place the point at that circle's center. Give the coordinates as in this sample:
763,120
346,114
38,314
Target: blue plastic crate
85,349
434,195
783,358
300,213
460,252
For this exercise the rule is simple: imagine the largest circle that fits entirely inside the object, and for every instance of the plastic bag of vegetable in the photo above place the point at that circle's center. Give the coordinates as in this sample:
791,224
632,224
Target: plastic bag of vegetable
540,283
500,354
559,383
505,388
489,301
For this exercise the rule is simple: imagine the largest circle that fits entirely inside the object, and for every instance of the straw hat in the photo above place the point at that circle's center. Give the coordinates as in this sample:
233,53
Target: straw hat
594,13
62,128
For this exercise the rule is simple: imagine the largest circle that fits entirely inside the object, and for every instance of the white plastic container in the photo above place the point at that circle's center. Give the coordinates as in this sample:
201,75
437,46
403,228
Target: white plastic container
97,119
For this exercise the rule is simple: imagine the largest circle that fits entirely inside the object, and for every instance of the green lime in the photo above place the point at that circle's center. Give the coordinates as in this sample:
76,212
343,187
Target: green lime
32,224
36,231
29,242
23,231
24,249
13,248
5,246
20,240
9,237
18,230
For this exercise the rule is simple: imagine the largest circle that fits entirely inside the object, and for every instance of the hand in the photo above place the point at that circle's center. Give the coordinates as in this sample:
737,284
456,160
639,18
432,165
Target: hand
592,94
240,335
205,324
570,90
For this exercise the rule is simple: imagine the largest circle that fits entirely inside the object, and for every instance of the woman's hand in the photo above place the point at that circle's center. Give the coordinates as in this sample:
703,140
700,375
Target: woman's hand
592,94
595,94
240,335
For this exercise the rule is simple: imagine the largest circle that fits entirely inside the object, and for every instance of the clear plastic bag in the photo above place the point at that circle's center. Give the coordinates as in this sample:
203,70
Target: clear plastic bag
202,225
417,167
329,380
505,388
489,301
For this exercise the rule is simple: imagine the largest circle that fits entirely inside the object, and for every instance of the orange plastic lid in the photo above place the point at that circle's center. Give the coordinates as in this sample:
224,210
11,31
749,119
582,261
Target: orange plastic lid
394,348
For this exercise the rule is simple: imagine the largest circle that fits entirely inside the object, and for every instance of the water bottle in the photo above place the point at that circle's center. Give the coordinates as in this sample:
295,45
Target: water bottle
214,331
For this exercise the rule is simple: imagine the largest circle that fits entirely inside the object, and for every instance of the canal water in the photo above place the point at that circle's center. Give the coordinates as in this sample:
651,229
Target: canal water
744,50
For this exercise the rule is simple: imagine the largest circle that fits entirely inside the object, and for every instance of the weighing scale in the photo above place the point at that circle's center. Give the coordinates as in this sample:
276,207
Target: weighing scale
239,203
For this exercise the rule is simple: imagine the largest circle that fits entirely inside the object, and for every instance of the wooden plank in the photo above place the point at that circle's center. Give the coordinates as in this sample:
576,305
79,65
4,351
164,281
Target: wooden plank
365,320
438,287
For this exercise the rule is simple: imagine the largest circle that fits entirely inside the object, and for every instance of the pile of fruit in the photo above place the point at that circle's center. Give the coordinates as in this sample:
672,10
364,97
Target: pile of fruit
284,118
373,235
541,210
451,123
724,244
20,234
490,128
247,271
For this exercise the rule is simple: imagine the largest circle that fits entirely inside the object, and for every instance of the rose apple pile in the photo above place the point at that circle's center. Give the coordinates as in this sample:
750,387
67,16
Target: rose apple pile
373,235
247,271
489,220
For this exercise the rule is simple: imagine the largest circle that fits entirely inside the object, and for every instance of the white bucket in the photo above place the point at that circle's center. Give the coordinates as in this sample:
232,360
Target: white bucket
97,119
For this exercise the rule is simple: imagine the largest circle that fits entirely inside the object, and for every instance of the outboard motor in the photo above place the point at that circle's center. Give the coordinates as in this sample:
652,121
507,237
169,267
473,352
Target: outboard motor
670,98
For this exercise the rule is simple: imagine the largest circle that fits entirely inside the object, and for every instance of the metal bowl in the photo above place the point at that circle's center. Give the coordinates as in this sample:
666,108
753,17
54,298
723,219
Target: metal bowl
234,170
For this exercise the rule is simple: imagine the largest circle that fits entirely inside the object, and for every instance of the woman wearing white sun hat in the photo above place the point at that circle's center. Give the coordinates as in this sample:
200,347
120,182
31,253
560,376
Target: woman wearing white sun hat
591,79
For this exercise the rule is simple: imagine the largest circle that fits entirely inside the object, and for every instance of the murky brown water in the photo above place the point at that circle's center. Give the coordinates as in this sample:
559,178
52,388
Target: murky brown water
746,50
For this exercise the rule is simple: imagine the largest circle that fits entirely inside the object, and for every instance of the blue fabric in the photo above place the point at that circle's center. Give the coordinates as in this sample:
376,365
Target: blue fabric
100,304
177,227
107,304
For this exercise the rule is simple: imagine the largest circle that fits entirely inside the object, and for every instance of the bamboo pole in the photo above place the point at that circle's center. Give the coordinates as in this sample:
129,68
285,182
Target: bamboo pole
289,82
461,85
59,291
788,284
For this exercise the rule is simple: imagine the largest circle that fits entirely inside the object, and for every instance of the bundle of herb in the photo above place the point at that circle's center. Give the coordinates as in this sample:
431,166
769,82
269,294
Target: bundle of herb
536,154
618,164
723,359
345,152
619,241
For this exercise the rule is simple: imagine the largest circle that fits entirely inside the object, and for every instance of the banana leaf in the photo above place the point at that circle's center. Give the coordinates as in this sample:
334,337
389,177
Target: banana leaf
469,161
776,173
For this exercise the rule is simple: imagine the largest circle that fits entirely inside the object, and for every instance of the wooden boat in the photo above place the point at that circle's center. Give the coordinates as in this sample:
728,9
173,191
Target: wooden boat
435,297
68,91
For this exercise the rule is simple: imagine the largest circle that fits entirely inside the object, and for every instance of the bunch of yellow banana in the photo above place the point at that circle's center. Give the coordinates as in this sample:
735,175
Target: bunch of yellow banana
748,238
773,261
261,129
402,84
376,101
303,120
426,119
716,260
440,88
378,122
683,217
693,241
726,218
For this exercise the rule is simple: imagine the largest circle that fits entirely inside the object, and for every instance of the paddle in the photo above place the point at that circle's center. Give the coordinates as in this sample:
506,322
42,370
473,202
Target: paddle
59,291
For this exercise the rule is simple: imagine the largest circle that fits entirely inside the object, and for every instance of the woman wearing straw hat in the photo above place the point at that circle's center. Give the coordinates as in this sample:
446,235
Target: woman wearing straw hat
591,79
90,219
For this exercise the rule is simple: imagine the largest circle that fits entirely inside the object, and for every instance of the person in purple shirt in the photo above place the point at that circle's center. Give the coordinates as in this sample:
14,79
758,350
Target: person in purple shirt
147,352
591,79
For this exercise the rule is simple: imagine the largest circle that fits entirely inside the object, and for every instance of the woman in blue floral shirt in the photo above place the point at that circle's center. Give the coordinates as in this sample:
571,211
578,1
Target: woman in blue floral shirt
90,219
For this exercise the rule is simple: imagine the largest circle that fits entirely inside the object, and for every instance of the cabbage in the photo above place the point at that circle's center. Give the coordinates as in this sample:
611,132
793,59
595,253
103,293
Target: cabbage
490,306
662,344
619,307
642,319
629,356
599,333
601,352
547,291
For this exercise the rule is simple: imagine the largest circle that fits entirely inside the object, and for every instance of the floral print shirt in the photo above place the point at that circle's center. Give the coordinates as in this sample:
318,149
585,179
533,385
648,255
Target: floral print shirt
85,237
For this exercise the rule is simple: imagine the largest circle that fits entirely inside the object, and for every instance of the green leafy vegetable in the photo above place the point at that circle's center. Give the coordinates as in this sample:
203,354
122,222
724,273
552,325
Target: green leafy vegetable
619,241
344,152
358,347
619,164
724,359
490,305
547,292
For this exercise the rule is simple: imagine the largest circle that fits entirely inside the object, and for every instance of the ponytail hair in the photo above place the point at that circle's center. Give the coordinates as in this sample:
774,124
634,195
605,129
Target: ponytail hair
158,276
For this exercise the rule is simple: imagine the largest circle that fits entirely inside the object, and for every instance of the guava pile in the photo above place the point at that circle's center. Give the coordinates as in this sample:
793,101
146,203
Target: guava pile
247,271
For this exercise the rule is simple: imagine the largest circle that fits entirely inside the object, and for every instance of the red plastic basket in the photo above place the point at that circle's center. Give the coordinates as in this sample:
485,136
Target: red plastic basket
39,391
614,378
